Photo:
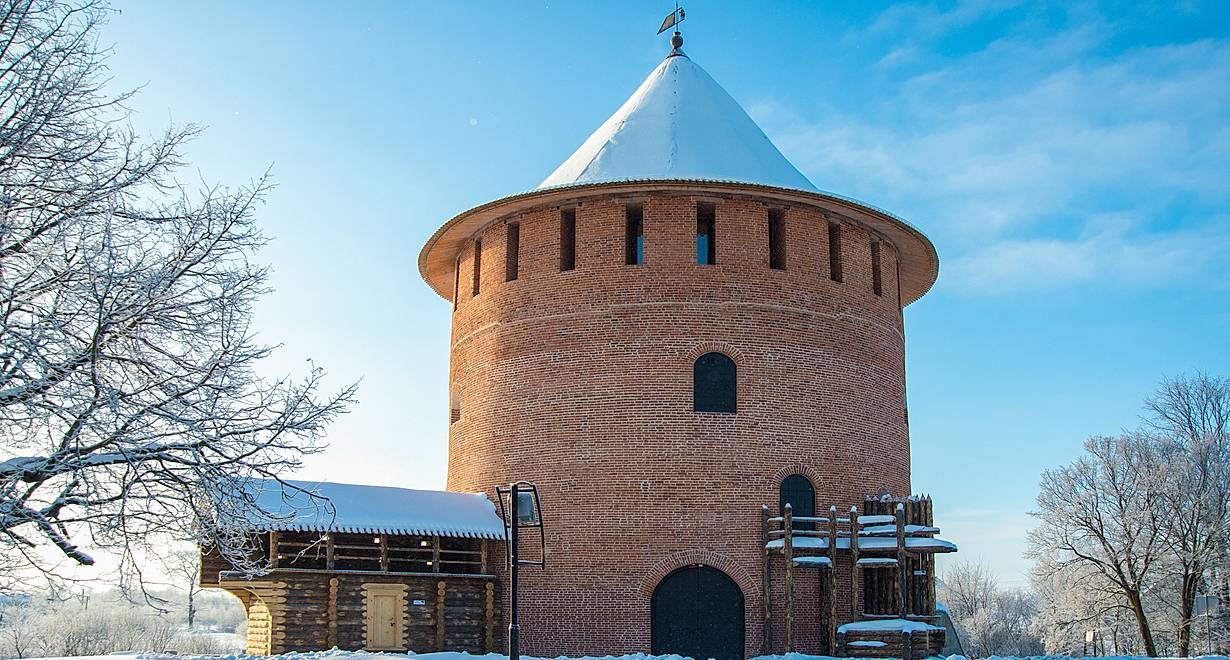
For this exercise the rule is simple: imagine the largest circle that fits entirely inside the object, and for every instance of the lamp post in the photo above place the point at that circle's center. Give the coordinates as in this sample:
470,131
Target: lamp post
523,510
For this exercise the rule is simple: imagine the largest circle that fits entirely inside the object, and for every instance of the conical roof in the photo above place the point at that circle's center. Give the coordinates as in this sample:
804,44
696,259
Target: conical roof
679,125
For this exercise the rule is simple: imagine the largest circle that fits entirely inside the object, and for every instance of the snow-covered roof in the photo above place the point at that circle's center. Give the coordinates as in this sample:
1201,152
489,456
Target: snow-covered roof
680,124
887,625
373,510
871,543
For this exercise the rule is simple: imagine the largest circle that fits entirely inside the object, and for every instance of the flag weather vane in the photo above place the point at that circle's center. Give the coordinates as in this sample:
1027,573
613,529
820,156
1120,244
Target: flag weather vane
673,20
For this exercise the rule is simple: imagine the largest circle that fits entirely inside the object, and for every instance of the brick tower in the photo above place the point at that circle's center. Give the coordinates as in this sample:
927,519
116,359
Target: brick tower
659,335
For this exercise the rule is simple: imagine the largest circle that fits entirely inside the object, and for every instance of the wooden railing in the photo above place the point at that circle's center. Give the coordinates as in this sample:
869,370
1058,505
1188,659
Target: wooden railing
871,561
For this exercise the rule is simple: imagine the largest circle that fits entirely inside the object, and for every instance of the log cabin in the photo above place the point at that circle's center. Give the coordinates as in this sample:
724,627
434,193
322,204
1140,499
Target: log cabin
368,567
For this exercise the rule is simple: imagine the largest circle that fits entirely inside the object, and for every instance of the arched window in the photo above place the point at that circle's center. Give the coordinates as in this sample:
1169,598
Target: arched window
714,384
798,492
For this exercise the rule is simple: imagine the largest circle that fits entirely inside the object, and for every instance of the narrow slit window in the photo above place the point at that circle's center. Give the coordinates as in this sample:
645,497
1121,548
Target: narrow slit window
567,239
706,234
777,248
456,281
835,252
876,283
512,258
478,265
634,236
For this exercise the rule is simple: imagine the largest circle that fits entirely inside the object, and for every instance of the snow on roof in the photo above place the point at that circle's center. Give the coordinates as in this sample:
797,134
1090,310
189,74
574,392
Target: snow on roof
868,543
887,625
679,125
373,510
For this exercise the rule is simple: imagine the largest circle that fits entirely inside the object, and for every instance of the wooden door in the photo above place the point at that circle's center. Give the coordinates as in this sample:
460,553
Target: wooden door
385,617
697,611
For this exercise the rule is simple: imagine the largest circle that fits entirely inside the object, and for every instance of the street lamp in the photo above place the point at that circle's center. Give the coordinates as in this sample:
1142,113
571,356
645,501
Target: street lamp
519,507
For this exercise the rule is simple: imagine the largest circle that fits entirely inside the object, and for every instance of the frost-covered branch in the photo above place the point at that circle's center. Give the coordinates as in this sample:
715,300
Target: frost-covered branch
130,406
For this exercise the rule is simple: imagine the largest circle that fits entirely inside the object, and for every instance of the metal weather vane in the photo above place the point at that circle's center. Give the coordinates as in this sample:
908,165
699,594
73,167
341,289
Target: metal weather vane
672,20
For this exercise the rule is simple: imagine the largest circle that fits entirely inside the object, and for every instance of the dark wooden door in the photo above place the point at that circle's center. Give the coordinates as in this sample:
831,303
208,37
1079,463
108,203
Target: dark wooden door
697,611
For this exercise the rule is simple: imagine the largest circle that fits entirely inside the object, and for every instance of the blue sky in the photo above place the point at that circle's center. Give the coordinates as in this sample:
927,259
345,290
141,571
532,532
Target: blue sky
1071,162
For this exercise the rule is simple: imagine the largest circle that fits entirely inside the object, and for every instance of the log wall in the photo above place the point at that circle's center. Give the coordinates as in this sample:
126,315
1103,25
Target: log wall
310,611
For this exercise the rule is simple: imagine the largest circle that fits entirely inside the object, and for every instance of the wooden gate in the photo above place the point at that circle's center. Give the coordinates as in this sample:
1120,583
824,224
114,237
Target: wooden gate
697,611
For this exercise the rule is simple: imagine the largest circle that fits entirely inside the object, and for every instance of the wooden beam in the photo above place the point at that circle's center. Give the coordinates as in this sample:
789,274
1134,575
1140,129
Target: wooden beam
329,563
489,619
384,553
903,604
435,555
855,610
440,591
832,581
788,552
273,549
332,635
767,647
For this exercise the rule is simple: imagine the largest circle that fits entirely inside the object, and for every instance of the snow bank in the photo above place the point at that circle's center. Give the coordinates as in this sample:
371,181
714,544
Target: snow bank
453,655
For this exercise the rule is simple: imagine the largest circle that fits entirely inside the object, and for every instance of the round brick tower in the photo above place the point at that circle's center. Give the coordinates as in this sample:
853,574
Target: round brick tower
669,326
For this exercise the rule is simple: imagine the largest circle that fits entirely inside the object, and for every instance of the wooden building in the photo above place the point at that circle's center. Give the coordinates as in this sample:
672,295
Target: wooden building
376,568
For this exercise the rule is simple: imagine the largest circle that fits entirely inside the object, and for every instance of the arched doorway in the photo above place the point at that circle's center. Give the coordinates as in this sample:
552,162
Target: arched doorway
697,611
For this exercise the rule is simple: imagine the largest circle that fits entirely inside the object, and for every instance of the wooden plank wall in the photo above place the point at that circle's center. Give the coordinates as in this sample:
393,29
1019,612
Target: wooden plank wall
321,610
879,586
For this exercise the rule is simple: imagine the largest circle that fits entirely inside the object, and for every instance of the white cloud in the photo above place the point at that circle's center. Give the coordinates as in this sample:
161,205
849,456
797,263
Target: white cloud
1162,260
1036,160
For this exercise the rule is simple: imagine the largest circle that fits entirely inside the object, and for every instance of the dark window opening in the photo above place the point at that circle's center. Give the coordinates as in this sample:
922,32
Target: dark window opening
777,240
897,278
634,236
797,491
835,252
456,281
513,252
706,234
478,265
876,284
714,384
567,239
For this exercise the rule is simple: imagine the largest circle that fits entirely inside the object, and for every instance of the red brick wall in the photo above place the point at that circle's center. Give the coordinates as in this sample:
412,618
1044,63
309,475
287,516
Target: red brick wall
582,382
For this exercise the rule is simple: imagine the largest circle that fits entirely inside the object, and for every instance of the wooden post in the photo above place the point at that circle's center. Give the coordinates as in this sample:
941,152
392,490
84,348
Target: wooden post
384,553
903,605
855,611
329,551
332,607
832,581
435,553
482,557
440,587
273,549
765,527
788,553
489,618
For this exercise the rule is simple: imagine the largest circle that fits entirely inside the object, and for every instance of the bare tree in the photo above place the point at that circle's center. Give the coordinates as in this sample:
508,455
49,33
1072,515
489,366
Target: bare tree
130,408
1097,524
967,587
1189,418
184,569
991,621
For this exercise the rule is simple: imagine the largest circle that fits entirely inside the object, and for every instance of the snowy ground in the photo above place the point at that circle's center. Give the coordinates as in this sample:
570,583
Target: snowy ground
336,654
